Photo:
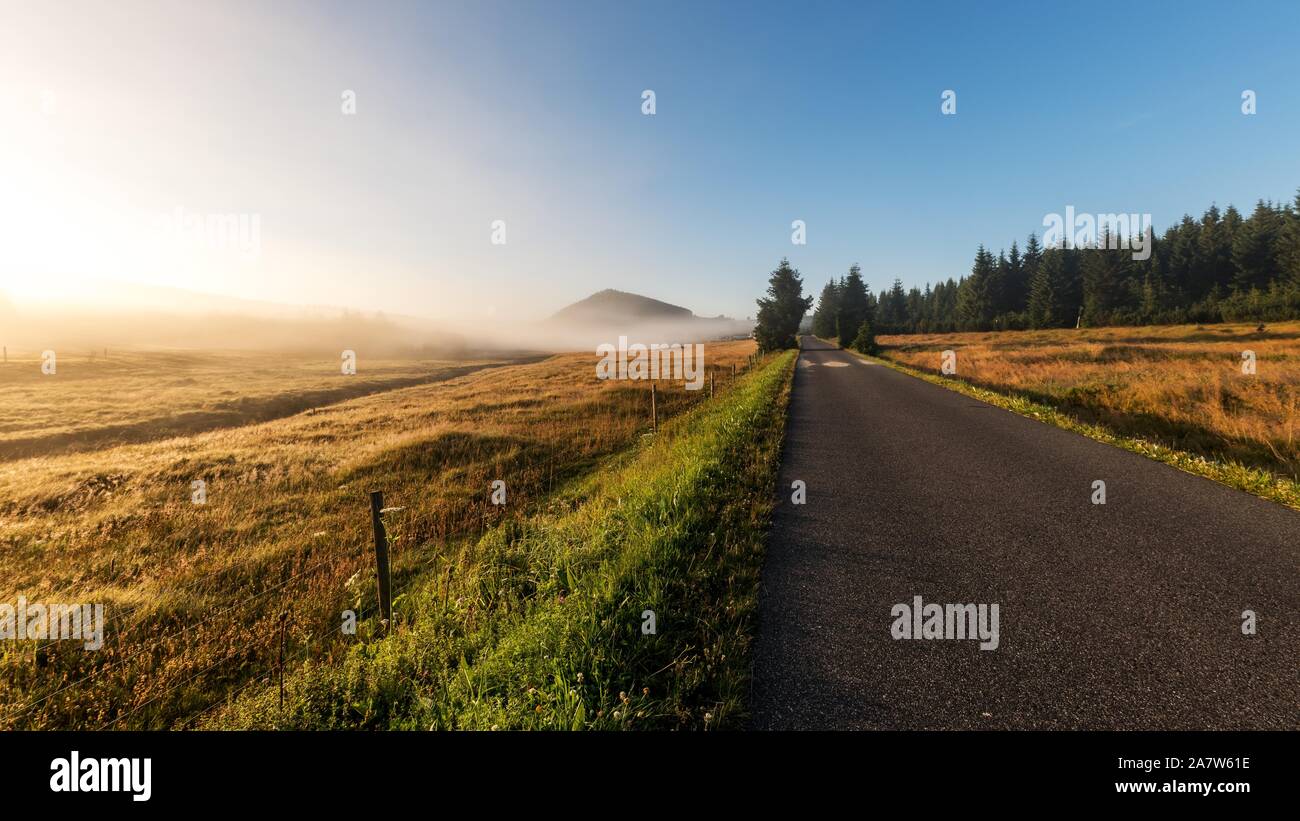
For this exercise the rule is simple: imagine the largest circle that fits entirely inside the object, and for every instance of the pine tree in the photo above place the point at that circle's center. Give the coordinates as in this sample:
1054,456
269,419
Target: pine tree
974,295
1288,247
1152,297
1103,281
1016,286
998,288
946,307
823,323
914,309
1211,261
892,316
865,340
1253,251
780,313
1050,304
855,306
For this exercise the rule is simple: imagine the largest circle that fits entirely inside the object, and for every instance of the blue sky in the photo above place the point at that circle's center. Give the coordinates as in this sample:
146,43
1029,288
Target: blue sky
531,113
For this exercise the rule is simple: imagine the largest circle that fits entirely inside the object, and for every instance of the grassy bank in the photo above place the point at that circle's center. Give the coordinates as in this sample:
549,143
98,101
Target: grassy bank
540,624
202,600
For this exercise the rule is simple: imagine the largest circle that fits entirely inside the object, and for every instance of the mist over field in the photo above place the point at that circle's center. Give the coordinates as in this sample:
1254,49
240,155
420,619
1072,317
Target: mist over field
142,317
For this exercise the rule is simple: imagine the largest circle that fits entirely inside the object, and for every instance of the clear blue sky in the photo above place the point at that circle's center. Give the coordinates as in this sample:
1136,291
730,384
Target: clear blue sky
766,113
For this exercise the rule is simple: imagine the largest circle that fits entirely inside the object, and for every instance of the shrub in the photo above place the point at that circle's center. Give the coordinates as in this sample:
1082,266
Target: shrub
865,341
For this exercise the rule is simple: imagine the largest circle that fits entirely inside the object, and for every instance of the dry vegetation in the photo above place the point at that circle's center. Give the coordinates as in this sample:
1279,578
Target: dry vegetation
92,401
1182,386
200,599
538,624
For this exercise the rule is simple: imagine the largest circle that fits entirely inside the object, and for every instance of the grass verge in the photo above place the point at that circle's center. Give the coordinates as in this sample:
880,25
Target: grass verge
1252,480
541,624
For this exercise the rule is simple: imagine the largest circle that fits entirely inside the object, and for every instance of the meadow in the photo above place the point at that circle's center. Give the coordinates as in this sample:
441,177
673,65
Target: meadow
93,400
630,602
1180,386
209,600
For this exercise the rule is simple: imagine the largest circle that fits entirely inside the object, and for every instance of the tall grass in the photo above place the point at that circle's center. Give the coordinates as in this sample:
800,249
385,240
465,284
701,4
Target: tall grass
200,598
92,402
540,624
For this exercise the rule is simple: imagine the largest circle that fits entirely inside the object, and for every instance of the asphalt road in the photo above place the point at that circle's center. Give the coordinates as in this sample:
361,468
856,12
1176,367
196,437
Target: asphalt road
1126,615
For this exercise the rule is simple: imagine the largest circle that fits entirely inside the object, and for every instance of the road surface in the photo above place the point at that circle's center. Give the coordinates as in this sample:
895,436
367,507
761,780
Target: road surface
1123,615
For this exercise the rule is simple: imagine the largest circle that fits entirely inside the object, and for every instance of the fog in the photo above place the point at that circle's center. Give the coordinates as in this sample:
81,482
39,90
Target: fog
195,322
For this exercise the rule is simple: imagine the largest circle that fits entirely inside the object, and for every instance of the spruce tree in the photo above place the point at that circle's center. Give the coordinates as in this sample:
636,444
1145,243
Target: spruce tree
892,316
865,340
1253,252
780,313
1288,248
975,294
823,324
1016,286
855,306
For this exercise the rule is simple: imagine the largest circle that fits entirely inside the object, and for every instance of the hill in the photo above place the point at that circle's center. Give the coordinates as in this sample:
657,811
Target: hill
606,315
610,305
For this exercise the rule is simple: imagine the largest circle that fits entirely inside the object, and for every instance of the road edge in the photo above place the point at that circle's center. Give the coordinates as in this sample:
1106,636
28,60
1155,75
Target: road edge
1235,475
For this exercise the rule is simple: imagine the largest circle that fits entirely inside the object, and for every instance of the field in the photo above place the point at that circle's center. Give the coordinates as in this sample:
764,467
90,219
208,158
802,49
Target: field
1180,386
629,603
131,396
204,600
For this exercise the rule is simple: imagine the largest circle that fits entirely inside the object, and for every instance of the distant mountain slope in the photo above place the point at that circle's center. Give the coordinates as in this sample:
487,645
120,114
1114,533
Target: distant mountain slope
609,305
606,315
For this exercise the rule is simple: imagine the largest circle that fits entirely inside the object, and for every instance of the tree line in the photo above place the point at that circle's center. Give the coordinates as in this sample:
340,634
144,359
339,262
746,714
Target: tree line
782,310
1219,268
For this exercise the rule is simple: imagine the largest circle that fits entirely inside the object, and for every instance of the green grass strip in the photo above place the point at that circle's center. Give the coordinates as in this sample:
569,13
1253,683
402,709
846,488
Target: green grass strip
546,630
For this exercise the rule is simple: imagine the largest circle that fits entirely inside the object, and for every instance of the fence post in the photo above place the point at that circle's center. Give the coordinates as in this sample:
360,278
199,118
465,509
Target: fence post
654,409
710,384
381,555
284,620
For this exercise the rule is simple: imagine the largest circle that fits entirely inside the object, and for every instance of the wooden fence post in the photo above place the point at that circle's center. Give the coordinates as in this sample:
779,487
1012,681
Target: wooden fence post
654,409
710,384
284,620
381,555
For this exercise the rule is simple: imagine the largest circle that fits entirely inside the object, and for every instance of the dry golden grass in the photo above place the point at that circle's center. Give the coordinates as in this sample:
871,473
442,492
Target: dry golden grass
195,594
135,396
1180,385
